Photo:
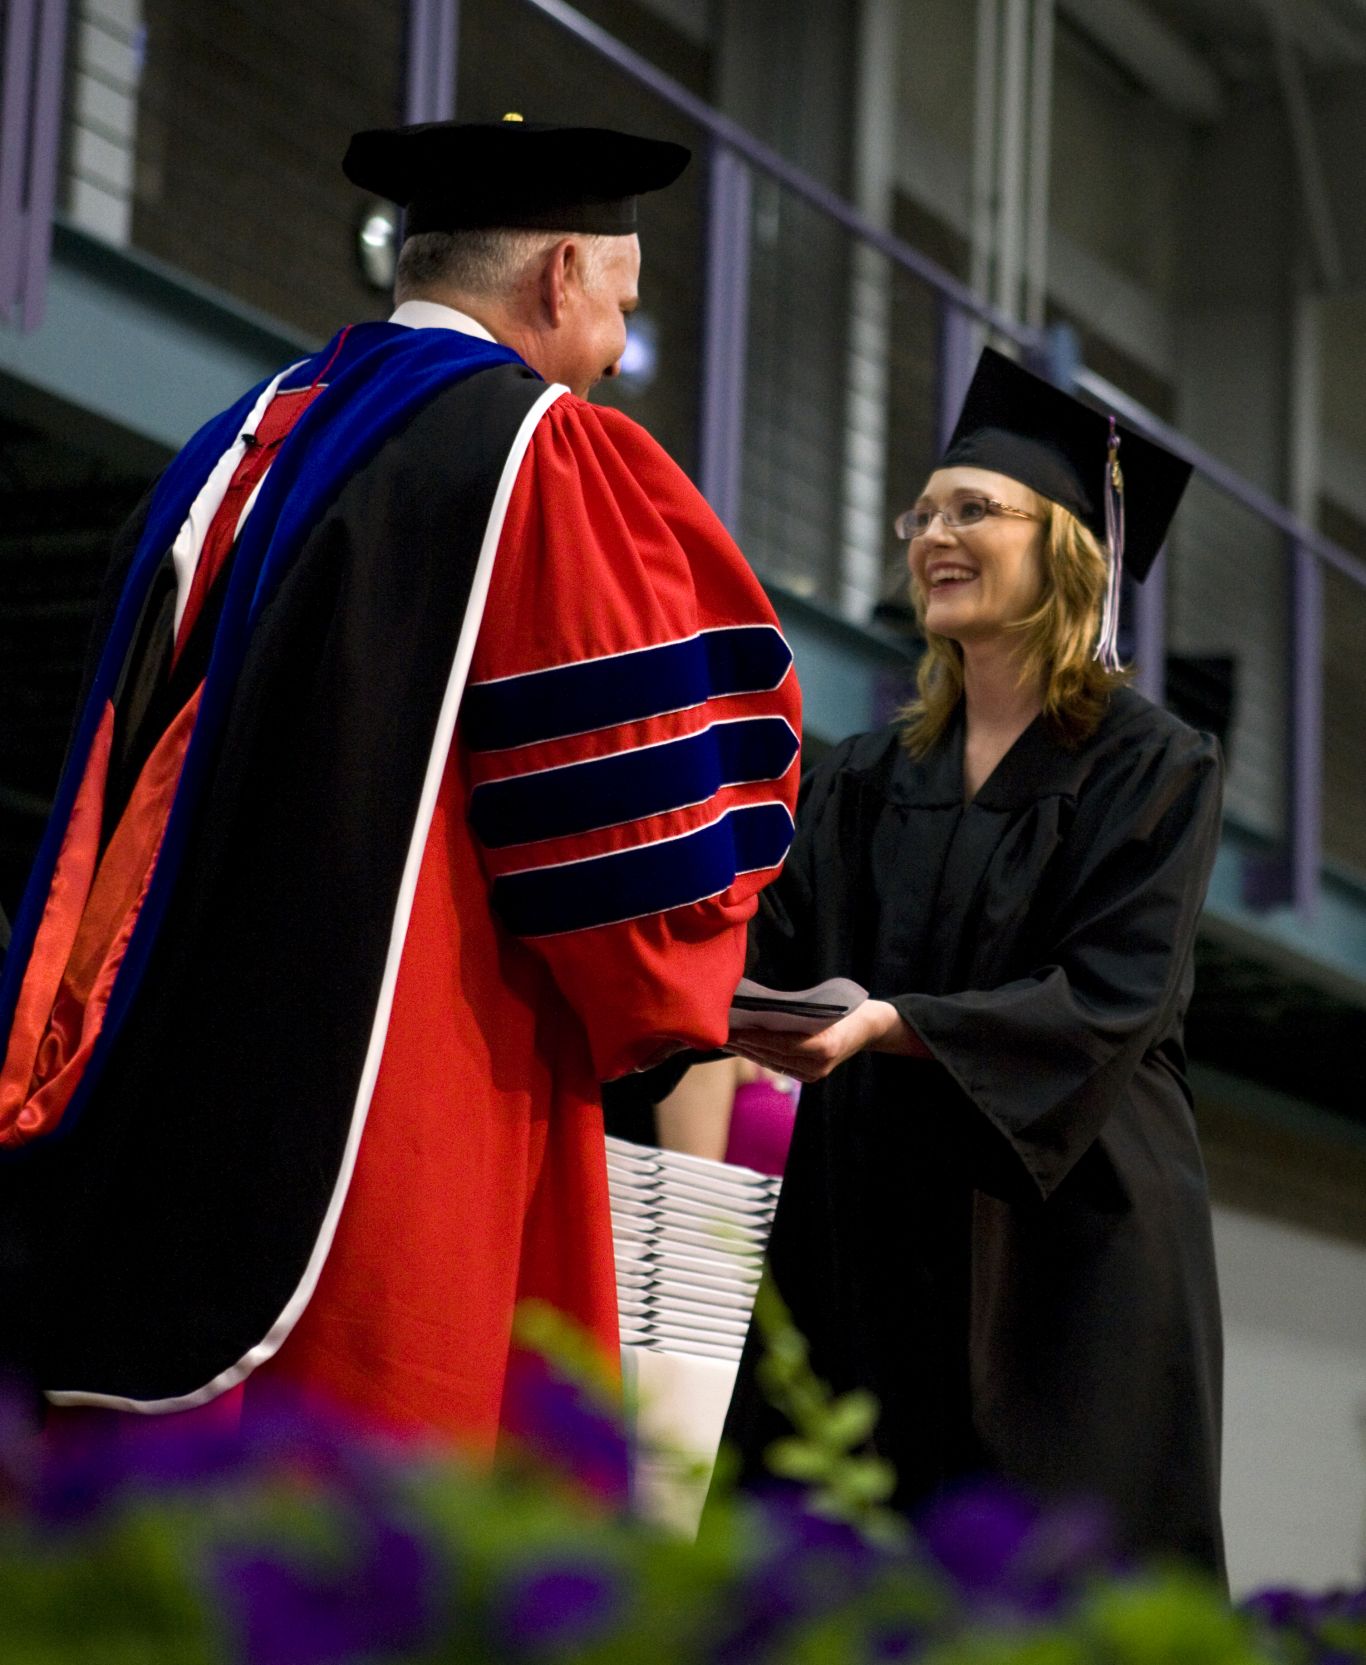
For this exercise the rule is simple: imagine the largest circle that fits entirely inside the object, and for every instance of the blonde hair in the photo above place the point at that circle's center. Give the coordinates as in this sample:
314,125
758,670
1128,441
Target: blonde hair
1057,644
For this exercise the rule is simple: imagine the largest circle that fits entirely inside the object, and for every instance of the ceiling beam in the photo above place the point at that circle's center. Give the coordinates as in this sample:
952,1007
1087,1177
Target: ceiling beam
1153,53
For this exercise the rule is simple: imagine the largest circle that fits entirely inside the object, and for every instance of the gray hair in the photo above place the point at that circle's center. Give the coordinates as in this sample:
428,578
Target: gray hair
483,263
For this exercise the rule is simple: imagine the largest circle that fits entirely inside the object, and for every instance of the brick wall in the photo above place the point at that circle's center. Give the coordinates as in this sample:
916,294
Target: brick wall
245,110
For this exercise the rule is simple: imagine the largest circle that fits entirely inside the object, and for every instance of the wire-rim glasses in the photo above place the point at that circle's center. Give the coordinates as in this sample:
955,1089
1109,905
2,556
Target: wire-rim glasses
958,515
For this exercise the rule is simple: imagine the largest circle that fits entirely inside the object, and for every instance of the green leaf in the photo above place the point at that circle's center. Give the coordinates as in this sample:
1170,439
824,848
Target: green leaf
777,1376
850,1419
1168,1616
797,1459
864,1479
789,1346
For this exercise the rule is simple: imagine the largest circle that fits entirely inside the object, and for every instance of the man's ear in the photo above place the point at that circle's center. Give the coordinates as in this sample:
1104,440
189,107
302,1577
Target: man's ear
557,275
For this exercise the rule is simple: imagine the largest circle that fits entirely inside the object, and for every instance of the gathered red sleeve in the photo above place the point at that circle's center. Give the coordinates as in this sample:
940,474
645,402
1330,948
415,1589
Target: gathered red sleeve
631,724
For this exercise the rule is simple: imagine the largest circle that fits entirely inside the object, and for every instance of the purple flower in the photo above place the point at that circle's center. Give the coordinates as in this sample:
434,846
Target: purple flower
977,1536
19,1446
96,1463
1279,1608
1001,1549
809,1566
559,1422
560,1606
102,1457
901,1640
1328,1627
292,1611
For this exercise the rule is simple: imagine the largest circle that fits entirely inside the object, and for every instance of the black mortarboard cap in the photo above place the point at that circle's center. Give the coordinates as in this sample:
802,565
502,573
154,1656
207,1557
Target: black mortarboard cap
1017,424
513,174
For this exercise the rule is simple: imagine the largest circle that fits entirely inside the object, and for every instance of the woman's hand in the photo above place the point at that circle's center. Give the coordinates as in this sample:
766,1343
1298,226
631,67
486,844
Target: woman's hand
874,1026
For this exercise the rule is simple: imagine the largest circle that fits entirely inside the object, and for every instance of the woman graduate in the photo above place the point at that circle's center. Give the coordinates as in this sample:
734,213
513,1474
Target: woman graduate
995,1215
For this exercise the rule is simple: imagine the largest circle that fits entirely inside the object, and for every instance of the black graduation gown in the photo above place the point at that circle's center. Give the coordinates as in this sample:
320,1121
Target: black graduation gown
1010,1245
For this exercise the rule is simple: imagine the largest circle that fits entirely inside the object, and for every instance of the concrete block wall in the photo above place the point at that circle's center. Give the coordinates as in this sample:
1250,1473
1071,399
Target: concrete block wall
244,114
105,57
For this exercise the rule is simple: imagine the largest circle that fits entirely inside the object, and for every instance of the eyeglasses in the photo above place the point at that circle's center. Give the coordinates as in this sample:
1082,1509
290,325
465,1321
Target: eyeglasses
957,516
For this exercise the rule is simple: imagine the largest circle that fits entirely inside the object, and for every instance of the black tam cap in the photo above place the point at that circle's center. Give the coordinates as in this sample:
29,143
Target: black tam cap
1019,425
513,174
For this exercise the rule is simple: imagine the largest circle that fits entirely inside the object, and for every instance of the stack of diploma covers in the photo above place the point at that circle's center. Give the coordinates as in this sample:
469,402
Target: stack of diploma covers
690,1236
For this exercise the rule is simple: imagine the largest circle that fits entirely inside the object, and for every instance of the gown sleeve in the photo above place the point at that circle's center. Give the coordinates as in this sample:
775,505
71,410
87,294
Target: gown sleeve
631,727
784,952
1046,1056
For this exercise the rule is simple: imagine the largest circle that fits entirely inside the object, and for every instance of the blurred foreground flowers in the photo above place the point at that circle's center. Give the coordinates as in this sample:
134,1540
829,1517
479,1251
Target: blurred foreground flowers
297,1542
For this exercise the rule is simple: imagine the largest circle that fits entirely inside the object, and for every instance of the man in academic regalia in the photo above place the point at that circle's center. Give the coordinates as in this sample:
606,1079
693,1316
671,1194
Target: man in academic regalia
435,745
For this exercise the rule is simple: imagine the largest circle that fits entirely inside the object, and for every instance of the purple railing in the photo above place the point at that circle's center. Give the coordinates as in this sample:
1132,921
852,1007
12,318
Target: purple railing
433,40
1293,874
30,102
32,51
724,333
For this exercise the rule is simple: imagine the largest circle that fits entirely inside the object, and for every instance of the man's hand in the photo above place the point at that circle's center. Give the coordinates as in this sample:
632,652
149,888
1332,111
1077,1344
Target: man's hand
874,1026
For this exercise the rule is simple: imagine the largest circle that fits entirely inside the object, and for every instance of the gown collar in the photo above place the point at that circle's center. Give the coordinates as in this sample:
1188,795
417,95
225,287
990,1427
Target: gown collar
1038,765
434,315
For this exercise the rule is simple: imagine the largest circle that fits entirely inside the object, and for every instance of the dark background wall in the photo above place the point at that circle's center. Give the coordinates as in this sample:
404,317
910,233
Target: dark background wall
243,118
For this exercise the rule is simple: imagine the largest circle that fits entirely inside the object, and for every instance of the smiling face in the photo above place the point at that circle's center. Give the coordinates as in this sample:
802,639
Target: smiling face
974,582
599,292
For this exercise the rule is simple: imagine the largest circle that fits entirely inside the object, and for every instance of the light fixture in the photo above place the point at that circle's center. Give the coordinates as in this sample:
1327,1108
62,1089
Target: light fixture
640,360
377,243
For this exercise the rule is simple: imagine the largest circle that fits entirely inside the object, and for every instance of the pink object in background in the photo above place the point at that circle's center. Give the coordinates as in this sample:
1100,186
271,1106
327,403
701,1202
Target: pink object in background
762,1117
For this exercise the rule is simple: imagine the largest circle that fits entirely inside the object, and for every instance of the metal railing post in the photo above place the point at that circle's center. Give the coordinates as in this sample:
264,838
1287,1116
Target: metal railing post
1290,875
34,52
1304,732
15,66
725,330
957,353
432,41
1150,631
44,140
963,313
768,161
